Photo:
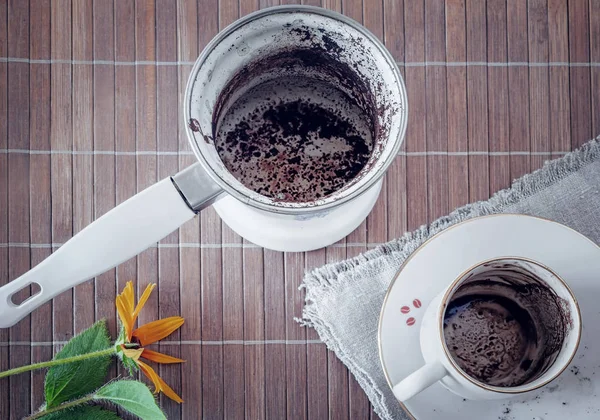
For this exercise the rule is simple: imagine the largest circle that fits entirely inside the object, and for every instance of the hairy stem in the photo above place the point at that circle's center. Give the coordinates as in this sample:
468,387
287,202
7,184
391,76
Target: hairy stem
64,406
56,362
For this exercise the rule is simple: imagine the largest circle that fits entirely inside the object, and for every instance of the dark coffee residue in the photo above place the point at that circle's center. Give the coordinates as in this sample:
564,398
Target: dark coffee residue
268,151
303,120
194,125
505,327
331,45
304,33
318,60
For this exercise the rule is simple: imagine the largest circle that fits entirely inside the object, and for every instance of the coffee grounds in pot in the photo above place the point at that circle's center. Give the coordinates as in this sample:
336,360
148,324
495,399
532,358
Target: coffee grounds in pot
294,139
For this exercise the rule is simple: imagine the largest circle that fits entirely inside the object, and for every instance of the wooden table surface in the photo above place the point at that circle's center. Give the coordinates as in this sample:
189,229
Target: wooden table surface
90,96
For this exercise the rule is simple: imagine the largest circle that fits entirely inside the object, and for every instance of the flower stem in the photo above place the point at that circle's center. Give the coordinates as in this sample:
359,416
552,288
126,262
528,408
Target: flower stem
56,362
64,406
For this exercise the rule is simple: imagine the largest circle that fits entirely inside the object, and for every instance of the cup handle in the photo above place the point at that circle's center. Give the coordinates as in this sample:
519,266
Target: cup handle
419,380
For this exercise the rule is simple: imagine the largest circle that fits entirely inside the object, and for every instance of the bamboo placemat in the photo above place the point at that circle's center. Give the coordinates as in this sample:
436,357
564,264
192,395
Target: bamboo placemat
89,115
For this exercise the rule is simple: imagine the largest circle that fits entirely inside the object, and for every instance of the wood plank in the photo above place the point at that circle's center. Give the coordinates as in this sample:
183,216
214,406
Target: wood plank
416,166
187,30
254,329
228,12
233,322
477,101
18,193
393,28
212,315
518,88
275,329
397,203
191,387
104,140
456,51
436,110
125,126
316,357
61,138
497,52
393,35
40,207
248,6
333,5
595,71
558,51
539,89
268,3
337,373
145,140
167,124
4,335
579,77
295,355
125,120
83,140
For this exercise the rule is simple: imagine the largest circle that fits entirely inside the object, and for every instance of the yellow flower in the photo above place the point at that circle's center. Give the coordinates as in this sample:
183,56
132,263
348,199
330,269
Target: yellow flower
146,335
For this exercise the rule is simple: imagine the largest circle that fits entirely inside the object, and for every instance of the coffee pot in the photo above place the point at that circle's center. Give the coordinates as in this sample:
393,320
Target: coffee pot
157,211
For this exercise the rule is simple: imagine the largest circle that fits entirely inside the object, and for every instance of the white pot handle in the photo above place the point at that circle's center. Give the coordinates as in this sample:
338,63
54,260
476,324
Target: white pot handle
419,380
115,237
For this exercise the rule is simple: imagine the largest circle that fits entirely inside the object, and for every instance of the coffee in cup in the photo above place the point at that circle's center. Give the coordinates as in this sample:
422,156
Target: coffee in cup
504,326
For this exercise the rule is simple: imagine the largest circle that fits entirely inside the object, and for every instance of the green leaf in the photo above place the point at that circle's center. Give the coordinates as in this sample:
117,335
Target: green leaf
72,380
87,412
133,396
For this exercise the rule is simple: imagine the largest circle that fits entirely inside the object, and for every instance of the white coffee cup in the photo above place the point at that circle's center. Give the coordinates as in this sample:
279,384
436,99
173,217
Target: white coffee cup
441,366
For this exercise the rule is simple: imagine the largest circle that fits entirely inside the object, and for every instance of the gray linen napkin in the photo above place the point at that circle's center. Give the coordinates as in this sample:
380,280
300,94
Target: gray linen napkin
566,190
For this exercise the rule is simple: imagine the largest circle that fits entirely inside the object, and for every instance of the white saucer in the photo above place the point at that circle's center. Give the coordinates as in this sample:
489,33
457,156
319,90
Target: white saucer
574,395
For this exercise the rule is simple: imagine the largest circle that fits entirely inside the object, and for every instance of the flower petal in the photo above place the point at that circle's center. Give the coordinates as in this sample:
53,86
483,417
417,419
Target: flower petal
133,353
166,389
143,300
159,357
157,330
159,384
129,296
124,315
151,374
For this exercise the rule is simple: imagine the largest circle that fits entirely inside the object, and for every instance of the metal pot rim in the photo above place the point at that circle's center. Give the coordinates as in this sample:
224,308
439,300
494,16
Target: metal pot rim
294,9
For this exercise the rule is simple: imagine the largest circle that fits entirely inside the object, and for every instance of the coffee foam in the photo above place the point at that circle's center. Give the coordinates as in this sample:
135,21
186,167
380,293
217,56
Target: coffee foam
505,327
